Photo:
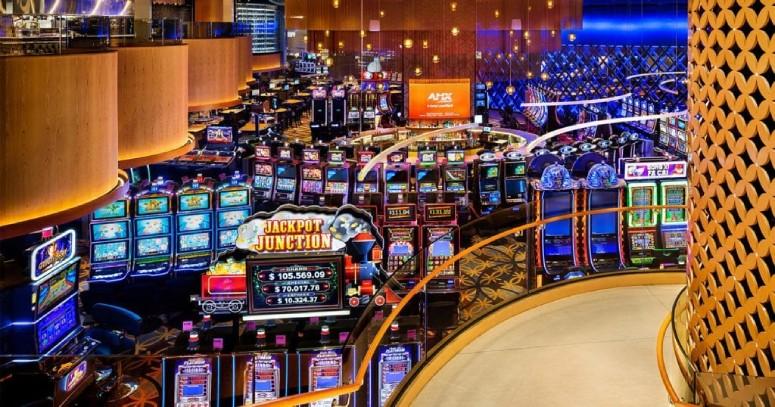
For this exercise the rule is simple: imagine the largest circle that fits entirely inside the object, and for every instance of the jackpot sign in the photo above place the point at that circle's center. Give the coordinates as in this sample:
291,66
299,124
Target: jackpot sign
439,99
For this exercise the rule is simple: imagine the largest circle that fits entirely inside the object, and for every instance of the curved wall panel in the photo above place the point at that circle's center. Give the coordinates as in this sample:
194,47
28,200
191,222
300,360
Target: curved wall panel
212,73
153,104
245,57
58,141
266,62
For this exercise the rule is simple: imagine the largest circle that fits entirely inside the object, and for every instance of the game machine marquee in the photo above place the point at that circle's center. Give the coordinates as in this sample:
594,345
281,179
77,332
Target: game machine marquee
286,177
603,190
110,232
556,241
488,173
337,179
456,181
402,243
153,231
367,194
235,203
311,177
194,226
40,327
441,241
515,178
307,261
397,177
263,175
428,182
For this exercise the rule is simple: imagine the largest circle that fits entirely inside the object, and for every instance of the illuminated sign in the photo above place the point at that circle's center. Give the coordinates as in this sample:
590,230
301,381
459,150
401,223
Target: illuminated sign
220,135
74,377
650,170
440,213
50,255
400,213
439,99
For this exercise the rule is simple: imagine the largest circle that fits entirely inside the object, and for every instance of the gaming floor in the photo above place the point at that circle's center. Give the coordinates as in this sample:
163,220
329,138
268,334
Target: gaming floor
594,349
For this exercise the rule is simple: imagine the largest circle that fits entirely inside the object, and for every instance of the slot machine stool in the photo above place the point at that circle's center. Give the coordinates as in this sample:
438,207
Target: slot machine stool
113,324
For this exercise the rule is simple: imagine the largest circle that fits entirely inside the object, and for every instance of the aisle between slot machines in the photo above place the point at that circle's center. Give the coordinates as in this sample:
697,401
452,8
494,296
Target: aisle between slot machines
656,238
44,346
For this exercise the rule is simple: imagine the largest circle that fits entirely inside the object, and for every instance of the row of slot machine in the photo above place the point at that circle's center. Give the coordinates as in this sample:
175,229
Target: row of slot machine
166,228
328,117
370,100
644,238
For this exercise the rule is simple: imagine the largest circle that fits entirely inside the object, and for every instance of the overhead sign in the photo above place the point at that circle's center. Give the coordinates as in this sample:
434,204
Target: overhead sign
439,99
47,257
651,170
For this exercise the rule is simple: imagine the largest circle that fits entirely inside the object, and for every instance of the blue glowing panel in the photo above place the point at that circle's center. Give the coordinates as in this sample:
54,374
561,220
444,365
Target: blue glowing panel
234,218
154,246
194,222
194,242
194,202
57,324
150,206
152,226
110,231
233,198
110,251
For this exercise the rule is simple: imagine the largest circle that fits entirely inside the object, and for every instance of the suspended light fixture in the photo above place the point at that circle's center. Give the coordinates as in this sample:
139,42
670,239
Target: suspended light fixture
341,44
436,59
408,43
425,44
488,84
453,6
497,13
544,76
368,47
328,33
455,31
511,90
335,3
382,13
550,4
572,37
329,61
529,75
363,34
417,71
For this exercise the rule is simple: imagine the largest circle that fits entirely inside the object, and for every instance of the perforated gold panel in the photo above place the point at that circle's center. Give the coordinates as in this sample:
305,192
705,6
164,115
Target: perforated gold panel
732,284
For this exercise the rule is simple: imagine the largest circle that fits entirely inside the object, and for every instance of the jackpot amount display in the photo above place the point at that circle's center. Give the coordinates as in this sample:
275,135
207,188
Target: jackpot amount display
312,284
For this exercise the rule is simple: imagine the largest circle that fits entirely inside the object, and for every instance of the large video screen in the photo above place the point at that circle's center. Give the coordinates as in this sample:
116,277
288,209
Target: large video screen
110,251
295,284
439,99
109,231
194,202
152,226
57,324
231,198
57,287
194,222
153,205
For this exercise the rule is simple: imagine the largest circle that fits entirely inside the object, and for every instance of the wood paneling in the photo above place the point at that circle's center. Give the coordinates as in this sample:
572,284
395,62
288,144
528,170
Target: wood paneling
212,73
245,55
152,101
266,62
58,133
214,11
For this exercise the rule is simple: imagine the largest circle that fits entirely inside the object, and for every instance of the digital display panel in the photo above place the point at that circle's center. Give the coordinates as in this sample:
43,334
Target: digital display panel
337,174
109,231
51,254
57,287
233,218
227,238
312,173
193,242
428,157
456,174
365,156
153,205
262,378
439,99
336,157
118,209
110,251
455,156
239,197
264,170
57,324
153,246
393,363
286,184
675,239
74,377
263,152
397,176
195,222
491,172
515,169
642,241
311,155
152,226
286,171
194,202
674,194
295,284
193,379
219,135
285,153
642,195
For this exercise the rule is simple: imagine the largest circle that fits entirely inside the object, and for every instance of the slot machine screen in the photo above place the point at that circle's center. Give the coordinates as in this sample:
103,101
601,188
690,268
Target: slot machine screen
56,288
383,103
192,382
515,169
642,241
311,155
110,231
642,196
152,246
557,232
227,238
285,153
264,170
314,174
286,184
516,186
193,242
287,172
674,195
428,157
674,239
153,205
603,231
57,324
455,156
152,226
118,209
371,177
396,176
234,218
263,152
74,377
191,223
336,157
365,157
194,202
337,174
219,135
491,172
110,251
233,198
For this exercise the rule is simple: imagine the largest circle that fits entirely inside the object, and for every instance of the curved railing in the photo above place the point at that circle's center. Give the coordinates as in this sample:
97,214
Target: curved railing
509,278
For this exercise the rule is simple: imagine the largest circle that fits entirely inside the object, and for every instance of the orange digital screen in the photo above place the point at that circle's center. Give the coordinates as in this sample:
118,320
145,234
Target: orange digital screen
439,99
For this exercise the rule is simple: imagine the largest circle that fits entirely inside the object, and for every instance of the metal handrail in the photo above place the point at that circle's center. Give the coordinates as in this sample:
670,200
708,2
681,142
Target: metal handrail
360,377
671,393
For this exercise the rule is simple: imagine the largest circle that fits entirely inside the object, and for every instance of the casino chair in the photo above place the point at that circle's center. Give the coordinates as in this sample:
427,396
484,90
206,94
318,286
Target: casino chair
112,327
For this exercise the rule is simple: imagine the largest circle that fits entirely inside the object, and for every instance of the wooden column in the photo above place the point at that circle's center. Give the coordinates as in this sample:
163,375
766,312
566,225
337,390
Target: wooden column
212,73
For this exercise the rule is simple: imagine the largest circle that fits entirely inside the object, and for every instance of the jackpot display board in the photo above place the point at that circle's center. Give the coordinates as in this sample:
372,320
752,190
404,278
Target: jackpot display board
295,284
439,99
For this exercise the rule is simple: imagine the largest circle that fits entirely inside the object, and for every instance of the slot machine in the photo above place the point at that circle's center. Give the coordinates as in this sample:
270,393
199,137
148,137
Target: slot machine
428,181
515,178
369,100
402,243
234,203
391,364
337,125
488,176
194,226
110,232
366,193
384,109
263,176
262,374
456,181
441,241
319,115
192,381
641,176
285,176
354,111
673,222
555,193
323,365
337,182
41,337
311,177
603,190
220,148
153,231
396,177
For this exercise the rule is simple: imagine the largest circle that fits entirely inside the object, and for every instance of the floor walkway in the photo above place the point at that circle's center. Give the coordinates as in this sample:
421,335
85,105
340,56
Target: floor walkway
595,349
